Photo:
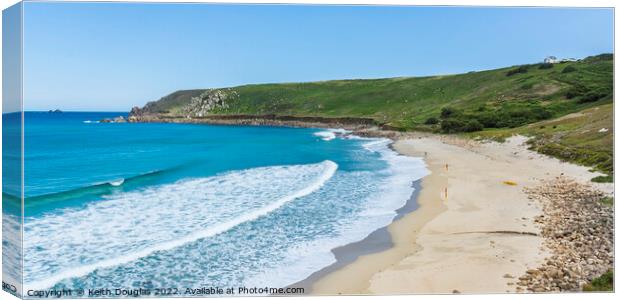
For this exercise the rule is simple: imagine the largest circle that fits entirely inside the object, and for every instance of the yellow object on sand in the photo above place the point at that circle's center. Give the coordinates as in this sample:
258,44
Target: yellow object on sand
508,182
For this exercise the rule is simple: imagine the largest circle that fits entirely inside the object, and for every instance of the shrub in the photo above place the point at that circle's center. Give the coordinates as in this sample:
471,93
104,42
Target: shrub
604,282
454,125
513,115
576,91
451,125
448,112
545,66
593,96
569,69
606,178
519,70
472,125
540,113
572,93
527,86
431,121
489,120
508,115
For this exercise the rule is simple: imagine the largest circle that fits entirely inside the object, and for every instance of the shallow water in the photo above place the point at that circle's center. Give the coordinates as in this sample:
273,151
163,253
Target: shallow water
184,206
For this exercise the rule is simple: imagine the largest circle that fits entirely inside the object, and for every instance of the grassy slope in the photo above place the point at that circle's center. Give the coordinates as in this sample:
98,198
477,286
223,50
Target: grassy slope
406,103
576,137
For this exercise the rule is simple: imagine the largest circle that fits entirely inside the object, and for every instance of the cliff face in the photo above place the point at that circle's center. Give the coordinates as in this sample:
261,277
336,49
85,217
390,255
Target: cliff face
208,102
191,103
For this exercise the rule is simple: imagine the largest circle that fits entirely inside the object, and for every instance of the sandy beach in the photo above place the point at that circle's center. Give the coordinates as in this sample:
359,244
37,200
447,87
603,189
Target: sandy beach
474,230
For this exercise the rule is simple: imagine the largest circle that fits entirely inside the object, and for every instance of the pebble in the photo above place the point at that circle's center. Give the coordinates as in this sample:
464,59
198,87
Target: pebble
578,231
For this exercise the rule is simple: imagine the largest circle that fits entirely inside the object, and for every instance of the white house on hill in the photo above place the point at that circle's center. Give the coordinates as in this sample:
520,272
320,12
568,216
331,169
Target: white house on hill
551,60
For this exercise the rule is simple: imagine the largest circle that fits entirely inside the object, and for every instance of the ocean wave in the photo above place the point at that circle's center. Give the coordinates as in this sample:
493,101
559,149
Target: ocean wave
379,211
117,182
332,133
96,189
129,226
89,121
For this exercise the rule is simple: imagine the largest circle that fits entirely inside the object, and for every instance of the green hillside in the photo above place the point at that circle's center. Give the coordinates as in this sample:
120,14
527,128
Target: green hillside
530,99
521,93
585,137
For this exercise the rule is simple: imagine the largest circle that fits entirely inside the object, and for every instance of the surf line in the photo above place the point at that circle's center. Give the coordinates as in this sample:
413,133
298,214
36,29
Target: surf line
330,169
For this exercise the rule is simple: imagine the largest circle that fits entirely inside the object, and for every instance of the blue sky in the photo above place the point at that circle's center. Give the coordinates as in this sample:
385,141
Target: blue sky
112,56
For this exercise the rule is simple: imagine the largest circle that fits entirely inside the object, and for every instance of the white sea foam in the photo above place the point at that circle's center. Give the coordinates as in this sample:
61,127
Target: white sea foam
332,133
379,211
11,250
118,182
89,121
361,200
130,226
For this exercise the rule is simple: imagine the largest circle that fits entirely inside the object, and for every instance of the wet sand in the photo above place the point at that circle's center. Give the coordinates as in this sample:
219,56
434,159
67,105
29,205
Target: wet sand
378,241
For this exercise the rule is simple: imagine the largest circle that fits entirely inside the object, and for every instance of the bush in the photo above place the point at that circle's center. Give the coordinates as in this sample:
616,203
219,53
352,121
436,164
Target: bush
519,70
540,113
472,125
431,121
569,69
489,120
576,91
451,125
606,178
527,86
508,115
572,93
545,66
448,112
604,282
513,115
593,96
454,125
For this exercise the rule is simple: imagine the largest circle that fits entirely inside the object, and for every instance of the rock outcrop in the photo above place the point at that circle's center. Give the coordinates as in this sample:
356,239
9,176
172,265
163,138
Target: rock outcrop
208,102
119,119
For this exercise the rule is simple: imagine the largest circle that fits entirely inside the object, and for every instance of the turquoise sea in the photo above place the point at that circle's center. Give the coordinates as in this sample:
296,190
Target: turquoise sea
124,205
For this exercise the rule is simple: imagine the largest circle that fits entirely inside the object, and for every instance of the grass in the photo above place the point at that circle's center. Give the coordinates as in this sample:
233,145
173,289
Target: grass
408,102
584,138
566,108
603,283
609,201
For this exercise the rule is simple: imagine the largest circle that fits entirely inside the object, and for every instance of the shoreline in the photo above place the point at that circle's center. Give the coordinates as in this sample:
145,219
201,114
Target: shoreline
349,123
377,241
452,245
353,279
468,242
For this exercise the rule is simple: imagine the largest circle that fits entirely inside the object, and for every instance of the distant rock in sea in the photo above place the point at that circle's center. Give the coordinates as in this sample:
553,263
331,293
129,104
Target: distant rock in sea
119,119
55,111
